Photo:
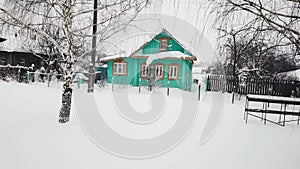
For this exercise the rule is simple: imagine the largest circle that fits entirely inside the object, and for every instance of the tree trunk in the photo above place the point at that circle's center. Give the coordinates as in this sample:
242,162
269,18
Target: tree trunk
64,113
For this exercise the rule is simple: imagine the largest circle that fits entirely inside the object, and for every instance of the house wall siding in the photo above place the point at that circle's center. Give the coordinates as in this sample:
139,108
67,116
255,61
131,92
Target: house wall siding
133,75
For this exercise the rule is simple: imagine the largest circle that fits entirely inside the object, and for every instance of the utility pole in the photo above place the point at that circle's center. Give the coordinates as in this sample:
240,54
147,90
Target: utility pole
92,66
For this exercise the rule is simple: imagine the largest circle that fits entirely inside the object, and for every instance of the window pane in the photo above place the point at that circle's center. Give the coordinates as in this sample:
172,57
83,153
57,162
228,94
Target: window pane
144,70
119,69
175,71
159,70
124,68
164,45
115,68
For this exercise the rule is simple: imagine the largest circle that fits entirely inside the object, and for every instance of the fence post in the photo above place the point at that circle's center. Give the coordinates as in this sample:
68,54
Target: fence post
207,83
168,90
79,82
48,77
199,89
232,100
18,76
140,81
28,77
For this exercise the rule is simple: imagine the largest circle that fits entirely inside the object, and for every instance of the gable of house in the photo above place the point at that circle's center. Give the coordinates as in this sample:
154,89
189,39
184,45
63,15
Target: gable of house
163,42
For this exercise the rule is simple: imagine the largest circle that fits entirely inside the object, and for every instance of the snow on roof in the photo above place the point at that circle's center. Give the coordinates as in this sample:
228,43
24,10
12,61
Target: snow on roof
170,54
112,57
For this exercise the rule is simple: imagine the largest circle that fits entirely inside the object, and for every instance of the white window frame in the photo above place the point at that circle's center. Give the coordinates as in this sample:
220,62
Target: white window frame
144,70
173,72
159,71
120,68
163,47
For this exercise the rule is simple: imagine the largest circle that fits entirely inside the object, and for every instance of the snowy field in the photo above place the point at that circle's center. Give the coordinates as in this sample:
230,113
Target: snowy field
31,138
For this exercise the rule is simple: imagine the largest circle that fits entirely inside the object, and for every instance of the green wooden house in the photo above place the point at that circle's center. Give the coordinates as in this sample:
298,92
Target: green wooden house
163,59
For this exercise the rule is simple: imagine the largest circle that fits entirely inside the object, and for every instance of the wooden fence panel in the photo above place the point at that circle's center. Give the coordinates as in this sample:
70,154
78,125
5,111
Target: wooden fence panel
259,86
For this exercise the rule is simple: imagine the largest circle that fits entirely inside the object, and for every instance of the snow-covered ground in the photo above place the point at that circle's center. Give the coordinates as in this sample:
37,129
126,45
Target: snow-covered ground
31,138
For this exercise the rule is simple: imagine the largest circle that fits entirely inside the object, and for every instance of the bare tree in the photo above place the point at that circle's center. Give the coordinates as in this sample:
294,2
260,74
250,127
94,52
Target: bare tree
250,50
280,18
67,26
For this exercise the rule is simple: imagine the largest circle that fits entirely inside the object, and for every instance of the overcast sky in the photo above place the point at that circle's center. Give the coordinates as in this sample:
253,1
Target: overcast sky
187,20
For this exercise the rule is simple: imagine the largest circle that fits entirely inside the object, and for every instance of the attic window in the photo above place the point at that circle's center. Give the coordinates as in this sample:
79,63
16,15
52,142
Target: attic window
163,45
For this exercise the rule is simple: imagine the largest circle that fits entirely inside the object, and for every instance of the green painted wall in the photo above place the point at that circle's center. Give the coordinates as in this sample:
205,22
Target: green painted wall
184,80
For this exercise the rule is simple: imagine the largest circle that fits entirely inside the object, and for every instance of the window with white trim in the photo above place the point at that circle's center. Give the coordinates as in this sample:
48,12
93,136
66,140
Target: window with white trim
120,68
163,45
173,72
159,71
144,70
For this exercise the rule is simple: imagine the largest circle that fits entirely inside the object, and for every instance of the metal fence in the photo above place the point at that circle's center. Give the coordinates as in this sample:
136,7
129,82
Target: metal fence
252,85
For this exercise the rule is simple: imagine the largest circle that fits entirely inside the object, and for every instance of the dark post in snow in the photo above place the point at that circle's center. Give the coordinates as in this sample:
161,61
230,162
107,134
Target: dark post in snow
232,98
28,77
48,76
168,90
92,75
91,79
199,88
140,85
